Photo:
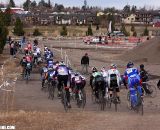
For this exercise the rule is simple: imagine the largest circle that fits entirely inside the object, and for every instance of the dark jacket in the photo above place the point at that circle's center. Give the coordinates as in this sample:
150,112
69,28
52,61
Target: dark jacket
85,60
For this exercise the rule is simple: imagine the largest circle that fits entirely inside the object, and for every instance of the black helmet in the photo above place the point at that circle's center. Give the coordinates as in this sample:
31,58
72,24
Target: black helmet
142,66
130,64
94,69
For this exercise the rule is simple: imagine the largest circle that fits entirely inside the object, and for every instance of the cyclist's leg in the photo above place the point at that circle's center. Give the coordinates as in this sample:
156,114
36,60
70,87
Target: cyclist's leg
96,89
145,88
60,79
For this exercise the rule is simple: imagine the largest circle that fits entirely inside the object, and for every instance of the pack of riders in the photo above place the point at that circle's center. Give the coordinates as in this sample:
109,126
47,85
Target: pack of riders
106,80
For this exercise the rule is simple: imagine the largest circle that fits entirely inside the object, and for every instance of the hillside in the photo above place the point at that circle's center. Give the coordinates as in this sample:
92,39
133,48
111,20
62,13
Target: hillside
149,52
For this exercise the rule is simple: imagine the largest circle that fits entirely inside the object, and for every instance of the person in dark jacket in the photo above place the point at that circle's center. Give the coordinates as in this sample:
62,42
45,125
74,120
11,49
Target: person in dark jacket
85,63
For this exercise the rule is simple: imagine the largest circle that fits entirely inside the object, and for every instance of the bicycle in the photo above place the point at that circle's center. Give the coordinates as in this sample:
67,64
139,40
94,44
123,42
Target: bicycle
80,96
152,91
64,97
137,104
100,99
27,72
113,99
51,88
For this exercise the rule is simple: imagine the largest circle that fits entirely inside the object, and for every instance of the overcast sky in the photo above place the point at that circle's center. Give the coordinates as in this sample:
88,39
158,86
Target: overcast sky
101,3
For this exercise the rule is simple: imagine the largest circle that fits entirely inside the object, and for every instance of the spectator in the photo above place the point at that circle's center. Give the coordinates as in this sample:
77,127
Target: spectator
11,48
85,63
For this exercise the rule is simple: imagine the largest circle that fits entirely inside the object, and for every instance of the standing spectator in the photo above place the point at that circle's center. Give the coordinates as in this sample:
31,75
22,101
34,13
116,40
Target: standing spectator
12,48
85,63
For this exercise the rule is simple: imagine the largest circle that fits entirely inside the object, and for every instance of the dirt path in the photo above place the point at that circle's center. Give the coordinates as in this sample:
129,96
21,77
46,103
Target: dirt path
29,97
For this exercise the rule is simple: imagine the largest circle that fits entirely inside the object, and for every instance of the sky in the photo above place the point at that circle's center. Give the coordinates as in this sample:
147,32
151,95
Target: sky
101,3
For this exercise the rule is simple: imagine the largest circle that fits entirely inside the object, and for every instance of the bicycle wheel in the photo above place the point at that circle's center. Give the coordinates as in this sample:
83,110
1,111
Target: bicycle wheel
152,89
64,100
101,100
83,98
140,104
27,76
50,90
115,102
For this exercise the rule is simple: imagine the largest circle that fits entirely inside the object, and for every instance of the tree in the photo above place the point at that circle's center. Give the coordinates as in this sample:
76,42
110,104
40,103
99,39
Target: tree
49,4
33,4
11,3
123,29
132,28
59,8
133,10
18,29
3,32
7,16
26,5
146,32
135,34
127,8
97,27
36,32
63,31
89,31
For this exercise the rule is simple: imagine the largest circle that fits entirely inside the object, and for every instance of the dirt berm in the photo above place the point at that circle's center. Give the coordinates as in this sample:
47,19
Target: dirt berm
148,51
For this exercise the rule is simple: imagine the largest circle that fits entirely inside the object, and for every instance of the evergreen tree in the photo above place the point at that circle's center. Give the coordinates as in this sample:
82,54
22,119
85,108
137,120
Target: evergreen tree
135,34
89,31
63,31
97,27
132,28
3,32
49,4
33,4
123,29
7,16
36,32
18,29
26,5
146,32
11,3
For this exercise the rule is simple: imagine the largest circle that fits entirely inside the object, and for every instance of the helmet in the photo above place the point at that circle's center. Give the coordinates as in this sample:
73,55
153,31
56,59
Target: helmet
61,63
130,64
142,66
113,66
94,69
76,74
102,69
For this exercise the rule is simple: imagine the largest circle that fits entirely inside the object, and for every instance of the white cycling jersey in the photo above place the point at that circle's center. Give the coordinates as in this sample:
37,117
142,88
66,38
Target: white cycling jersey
114,71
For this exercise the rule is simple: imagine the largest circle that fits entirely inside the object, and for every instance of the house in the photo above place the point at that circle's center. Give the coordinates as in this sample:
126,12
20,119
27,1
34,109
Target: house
129,19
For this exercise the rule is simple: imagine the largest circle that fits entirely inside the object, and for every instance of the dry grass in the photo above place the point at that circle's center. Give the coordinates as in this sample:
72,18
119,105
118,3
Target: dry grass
41,120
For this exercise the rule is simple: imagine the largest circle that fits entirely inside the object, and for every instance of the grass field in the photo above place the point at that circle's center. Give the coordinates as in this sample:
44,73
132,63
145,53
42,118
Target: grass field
76,30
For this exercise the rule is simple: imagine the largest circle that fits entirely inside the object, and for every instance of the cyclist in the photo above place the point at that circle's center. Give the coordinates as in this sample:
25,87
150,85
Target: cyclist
29,46
23,64
78,81
133,79
98,82
94,69
113,80
28,65
62,73
44,74
50,63
35,57
144,78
